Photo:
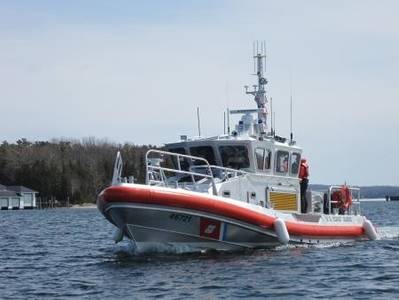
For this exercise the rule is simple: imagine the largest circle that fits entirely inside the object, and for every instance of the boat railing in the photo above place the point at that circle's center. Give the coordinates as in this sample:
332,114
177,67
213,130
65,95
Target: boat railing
353,209
222,173
156,173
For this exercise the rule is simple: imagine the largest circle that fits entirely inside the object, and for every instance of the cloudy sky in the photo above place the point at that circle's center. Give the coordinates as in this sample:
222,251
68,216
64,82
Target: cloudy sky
135,71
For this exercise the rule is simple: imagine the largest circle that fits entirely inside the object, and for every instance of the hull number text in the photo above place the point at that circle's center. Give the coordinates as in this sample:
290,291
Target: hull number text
180,218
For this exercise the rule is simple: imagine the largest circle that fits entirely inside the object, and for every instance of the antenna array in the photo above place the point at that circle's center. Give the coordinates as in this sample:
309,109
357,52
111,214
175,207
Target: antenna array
258,90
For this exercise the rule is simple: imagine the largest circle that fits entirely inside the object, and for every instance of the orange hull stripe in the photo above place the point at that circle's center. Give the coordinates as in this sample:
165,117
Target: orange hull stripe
206,204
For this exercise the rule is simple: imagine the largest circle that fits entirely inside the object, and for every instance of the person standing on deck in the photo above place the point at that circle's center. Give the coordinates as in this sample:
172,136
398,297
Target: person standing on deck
304,180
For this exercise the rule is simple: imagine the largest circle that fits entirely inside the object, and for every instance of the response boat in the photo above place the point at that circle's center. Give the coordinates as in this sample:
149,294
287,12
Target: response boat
234,191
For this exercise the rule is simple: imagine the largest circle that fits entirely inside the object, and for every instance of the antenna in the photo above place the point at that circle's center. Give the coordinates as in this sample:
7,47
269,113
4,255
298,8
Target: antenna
228,121
198,121
264,53
291,131
224,122
271,117
254,54
258,91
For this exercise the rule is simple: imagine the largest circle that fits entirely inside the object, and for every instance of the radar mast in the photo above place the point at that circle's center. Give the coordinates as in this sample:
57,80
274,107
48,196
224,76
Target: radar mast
258,90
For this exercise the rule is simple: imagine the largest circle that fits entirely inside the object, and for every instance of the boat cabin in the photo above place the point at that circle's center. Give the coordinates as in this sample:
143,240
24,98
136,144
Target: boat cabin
266,156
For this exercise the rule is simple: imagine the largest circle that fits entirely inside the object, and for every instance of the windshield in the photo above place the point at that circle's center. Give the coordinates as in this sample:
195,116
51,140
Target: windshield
184,163
204,152
235,157
263,157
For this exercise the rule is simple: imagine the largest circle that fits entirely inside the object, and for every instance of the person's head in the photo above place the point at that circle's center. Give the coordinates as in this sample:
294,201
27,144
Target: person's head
303,160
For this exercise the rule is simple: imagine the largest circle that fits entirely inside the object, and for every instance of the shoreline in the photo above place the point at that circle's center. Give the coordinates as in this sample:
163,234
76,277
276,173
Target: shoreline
83,205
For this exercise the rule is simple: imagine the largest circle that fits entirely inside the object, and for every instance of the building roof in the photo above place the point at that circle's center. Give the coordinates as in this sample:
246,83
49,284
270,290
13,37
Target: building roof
8,194
20,189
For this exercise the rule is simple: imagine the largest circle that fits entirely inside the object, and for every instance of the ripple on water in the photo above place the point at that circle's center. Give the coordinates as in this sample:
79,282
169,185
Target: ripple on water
70,254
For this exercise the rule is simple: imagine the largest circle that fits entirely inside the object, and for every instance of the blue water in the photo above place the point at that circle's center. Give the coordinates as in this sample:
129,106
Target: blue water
69,253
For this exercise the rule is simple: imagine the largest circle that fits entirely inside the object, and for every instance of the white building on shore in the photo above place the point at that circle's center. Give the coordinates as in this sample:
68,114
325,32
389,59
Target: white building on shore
17,197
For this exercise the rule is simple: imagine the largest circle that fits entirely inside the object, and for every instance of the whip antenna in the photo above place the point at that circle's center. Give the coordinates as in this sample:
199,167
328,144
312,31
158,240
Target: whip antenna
291,131
271,117
224,122
198,121
228,121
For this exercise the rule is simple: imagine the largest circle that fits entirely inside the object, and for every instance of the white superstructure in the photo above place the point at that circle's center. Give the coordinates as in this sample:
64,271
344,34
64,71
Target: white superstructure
268,165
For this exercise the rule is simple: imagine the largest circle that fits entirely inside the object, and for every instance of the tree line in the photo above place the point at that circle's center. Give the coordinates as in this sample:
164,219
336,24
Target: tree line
68,170
77,170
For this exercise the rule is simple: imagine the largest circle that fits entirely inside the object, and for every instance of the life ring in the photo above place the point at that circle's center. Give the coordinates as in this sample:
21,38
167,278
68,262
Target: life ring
342,198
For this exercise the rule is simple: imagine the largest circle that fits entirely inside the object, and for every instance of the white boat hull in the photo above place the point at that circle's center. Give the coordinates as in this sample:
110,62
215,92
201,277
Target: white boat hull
147,225
153,216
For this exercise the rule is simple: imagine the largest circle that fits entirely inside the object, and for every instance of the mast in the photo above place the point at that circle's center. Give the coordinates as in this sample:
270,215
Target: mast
258,90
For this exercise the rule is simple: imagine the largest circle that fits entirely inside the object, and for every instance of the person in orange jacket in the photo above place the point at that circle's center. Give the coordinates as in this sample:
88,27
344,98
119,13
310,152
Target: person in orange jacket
304,181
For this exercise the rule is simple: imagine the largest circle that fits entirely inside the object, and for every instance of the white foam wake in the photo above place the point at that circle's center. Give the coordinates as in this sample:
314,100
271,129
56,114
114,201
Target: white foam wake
161,248
388,232
384,233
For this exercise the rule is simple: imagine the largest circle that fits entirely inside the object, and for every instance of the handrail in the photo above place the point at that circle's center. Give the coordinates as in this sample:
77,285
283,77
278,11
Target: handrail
225,169
150,168
180,171
242,172
337,187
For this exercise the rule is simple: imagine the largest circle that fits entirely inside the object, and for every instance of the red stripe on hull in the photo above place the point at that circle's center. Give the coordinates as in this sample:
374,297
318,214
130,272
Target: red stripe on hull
297,228
175,198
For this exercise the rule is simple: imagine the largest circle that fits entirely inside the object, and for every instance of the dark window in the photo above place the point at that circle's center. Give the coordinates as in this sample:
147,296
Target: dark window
263,157
178,150
226,194
268,158
184,163
204,152
260,157
295,159
235,157
282,161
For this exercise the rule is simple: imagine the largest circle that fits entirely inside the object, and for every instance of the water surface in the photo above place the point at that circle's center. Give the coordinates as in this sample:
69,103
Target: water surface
69,253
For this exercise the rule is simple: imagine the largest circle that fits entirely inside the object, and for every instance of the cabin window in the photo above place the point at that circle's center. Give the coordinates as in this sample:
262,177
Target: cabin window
204,152
295,159
282,161
234,157
184,163
226,194
268,159
262,158
178,150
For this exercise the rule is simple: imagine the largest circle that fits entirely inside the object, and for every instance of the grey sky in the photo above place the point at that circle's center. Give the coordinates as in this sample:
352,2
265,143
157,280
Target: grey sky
136,72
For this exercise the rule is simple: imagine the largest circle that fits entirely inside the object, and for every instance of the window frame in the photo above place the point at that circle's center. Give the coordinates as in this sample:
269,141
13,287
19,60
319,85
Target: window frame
184,163
247,157
257,160
211,163
267,154
298,154
277,165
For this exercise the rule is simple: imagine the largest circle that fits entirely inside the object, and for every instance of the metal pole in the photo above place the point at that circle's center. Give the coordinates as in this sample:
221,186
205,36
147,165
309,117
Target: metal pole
224,122
291,132
228,121
199,122
271,116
